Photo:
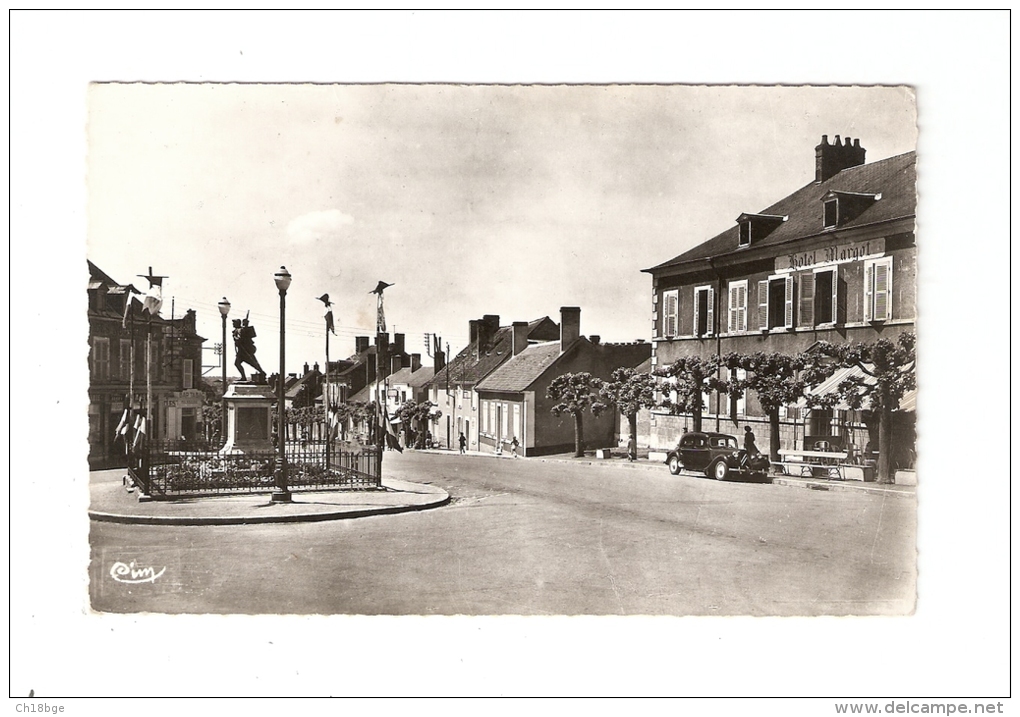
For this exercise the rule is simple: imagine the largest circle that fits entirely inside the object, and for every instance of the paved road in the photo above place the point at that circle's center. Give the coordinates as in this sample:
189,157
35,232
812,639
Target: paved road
537,537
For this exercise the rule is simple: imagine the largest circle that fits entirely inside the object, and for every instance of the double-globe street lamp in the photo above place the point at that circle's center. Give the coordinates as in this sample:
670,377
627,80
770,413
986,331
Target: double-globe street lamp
224,307
282,493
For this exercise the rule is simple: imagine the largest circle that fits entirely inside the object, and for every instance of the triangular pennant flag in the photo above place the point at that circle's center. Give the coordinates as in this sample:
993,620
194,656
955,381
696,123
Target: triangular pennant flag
122,426
139,431
329,321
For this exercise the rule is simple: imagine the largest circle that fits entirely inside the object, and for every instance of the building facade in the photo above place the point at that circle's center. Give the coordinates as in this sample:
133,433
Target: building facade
512,400
452,388
834,261
120,375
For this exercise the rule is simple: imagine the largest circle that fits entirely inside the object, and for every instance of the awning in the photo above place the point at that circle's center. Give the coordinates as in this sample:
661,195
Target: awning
831,385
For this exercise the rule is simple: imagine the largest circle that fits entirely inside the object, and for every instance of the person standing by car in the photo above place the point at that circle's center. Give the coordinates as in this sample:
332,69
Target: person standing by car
750,447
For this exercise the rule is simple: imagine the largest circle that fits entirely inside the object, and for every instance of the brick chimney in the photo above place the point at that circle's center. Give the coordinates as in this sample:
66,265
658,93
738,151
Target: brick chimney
520,336
570,325
831,159
486,330
398,344
306,369
360,345
595,339
396,363
439,361
415,362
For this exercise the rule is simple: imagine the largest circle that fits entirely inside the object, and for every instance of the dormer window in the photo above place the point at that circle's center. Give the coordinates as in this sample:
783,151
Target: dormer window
840,208
745,234
755,227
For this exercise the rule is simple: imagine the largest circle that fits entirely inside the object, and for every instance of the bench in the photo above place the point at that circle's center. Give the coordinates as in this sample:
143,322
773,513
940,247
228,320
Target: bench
832,464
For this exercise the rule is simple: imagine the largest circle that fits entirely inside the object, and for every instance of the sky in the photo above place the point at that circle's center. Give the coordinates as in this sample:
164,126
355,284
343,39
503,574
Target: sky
470,199
577,195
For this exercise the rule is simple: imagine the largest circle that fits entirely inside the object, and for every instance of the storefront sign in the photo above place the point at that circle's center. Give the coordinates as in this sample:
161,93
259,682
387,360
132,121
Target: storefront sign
838,254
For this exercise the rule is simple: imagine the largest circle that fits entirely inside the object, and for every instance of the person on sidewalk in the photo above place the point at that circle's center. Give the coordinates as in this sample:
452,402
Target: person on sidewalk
750,447
513,446
463,443
632,449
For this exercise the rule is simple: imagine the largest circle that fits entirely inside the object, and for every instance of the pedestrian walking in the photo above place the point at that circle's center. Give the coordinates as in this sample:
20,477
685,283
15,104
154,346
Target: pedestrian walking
513,446
750,447
463,442
632,449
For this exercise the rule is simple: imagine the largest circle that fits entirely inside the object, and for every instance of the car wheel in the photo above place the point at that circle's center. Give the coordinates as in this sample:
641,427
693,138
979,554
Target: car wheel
674,465
720,471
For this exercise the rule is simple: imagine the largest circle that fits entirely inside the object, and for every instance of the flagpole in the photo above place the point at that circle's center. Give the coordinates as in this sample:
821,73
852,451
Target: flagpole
326,401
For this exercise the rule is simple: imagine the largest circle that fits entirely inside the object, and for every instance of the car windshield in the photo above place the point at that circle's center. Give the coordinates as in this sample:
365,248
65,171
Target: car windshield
724,442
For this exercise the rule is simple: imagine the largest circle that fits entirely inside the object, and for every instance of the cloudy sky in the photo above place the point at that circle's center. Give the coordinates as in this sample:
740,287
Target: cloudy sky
470,199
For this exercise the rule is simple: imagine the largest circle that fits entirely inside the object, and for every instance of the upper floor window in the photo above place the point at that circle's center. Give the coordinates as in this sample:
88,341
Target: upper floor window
125,358
878,277
830,213
775,303
738,306
100,358
744,238
704,310
819,297
670,311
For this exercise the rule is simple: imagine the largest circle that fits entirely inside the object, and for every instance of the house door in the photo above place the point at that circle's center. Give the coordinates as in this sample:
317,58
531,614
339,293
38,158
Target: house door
467,432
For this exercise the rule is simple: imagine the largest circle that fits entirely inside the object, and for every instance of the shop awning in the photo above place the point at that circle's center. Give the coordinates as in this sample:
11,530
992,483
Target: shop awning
831,385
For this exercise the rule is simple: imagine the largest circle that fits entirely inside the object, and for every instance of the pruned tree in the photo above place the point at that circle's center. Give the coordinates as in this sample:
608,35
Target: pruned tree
576,393
414,417
630,391
886,374
689,379
777,380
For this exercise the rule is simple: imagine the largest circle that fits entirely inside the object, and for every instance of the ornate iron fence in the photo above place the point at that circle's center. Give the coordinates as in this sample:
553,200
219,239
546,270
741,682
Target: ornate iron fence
176,469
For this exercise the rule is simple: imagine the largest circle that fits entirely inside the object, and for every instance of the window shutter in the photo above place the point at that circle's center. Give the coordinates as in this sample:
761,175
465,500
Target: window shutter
763,305
742,304
710,324
882,289
840,298
788,318
835,297
731,324
671,310
869,291
806,313
697,312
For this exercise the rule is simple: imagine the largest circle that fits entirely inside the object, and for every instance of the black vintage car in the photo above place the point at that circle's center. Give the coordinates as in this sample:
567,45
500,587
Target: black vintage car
717,455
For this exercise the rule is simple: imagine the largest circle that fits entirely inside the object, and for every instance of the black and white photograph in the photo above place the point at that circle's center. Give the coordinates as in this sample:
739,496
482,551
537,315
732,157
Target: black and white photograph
380,372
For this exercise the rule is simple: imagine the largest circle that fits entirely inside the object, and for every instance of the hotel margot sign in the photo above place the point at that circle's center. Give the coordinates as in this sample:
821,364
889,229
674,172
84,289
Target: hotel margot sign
836,254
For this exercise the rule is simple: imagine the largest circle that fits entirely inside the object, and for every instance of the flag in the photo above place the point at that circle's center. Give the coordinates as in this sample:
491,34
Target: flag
329,313
139,430
154,297
122,426
390,432
127,309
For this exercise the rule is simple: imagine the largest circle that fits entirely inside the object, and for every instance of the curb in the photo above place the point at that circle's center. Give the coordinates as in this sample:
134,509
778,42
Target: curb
442,498
839,487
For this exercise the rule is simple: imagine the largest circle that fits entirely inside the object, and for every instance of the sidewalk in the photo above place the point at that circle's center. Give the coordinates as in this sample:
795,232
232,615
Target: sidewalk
642,463
111,502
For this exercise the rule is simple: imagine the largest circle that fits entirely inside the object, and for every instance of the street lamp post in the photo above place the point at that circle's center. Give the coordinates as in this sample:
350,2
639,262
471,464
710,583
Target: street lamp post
282,493
224,307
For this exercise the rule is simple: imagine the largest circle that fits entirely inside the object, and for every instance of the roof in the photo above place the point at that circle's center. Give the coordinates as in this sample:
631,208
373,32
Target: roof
894,178
469,368
523,369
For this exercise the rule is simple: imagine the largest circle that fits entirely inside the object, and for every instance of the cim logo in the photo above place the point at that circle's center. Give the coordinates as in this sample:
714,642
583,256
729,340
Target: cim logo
132,574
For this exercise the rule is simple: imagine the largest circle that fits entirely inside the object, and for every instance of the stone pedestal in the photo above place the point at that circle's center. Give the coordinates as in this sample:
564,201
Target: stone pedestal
249,418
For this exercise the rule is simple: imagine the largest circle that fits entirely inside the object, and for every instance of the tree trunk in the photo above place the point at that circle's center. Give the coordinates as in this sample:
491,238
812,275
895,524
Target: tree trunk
578,436
696,419
885,464
774,435
632,444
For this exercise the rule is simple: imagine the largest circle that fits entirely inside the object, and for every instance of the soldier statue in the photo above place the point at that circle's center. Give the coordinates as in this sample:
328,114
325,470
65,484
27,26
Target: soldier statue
244,347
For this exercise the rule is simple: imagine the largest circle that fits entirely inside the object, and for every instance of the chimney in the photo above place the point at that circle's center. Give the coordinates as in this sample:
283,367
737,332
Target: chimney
316,367
472,331
830,159
440,361
595,339
360,344
396,363
398,344
306,368
570,325
486,330
415,362
520,337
